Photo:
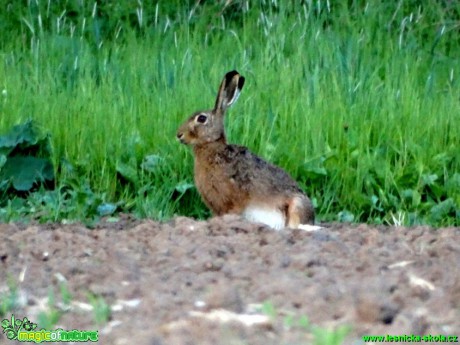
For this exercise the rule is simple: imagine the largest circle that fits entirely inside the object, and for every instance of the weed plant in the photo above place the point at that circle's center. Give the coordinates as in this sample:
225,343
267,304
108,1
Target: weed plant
358,100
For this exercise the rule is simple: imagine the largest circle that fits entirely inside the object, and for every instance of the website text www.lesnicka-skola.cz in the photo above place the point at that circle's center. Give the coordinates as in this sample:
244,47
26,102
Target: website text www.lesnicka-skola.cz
428,338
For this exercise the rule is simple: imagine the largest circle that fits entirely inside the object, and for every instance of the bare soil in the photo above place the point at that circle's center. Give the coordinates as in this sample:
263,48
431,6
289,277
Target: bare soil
226,281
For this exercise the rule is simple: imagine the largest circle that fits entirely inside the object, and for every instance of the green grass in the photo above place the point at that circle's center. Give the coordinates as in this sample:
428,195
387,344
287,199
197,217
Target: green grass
101,310
359,103
9,299
320,335
48,319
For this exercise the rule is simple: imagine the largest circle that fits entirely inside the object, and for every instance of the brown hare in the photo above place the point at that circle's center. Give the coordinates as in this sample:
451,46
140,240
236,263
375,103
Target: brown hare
231,179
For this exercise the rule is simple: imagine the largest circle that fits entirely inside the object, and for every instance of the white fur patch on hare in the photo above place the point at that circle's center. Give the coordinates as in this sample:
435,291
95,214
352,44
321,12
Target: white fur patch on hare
273,218
268,216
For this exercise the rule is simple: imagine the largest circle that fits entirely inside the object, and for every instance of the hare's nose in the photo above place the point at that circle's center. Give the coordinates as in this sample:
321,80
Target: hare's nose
180,136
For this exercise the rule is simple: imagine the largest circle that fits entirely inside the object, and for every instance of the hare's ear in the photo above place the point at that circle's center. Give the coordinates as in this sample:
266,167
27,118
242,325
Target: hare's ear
229,91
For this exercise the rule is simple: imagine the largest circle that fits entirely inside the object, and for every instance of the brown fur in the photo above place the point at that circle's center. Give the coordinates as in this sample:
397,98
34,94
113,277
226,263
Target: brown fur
229,177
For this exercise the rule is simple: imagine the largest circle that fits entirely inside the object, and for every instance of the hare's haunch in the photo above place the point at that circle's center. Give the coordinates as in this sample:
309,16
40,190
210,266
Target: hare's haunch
233,180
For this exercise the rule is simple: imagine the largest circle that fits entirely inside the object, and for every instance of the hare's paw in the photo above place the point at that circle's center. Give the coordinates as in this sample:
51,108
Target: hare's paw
310,228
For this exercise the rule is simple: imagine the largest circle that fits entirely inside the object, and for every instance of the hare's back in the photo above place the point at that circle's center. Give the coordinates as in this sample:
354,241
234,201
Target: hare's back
257,176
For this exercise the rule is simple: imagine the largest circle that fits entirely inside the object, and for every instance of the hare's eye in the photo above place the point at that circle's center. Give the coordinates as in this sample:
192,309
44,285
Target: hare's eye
201,118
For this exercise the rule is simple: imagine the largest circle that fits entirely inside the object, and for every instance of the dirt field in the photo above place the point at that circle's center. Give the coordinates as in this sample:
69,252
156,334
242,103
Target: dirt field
229,282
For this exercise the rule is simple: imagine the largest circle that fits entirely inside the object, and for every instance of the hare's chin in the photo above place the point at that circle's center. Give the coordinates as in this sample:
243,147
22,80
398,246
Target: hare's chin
265,215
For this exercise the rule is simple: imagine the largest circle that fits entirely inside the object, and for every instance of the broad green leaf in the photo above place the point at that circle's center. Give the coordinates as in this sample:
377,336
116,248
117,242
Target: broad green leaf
24,171
106,209
429,179
183,187
151,162
441,209
25,133
128,172
346,216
